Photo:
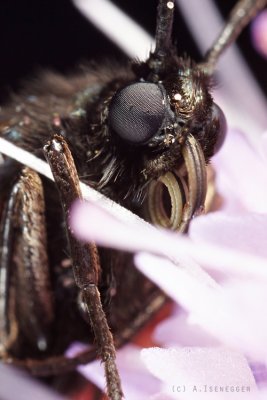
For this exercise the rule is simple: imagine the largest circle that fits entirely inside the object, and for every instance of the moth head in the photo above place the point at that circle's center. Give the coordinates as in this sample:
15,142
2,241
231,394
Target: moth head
168,124
158,114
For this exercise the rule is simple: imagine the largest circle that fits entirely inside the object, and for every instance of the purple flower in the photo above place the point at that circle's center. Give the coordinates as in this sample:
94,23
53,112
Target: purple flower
259,33
17,384
217,277
241,173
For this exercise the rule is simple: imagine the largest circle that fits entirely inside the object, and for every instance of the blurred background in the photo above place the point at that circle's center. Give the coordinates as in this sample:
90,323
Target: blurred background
53,34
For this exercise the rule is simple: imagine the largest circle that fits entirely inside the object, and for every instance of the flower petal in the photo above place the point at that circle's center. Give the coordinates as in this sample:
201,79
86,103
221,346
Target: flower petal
217,310
137,382
241,175
259,33
178,330
246,232
197,372
16,384
91,222
263,147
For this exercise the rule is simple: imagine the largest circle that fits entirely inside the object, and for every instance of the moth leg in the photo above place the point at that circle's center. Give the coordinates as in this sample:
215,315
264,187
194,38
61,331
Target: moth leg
26,305
240,16
85,261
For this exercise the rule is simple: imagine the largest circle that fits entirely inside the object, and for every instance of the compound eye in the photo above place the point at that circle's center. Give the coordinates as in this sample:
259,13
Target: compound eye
137,112
219,117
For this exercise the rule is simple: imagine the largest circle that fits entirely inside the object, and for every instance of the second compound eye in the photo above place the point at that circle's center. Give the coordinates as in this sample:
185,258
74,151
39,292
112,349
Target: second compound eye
218,115
137,112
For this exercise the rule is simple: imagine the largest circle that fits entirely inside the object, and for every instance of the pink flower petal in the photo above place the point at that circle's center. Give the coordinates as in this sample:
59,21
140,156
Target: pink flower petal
176,282
232,313
195,373
161,396
178,330
263,147
259,33
260,373
248,328
241,175
246,232
17,384
137,382
90,222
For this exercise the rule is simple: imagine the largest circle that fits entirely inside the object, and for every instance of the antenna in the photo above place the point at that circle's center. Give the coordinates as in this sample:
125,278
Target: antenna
240,16
163,47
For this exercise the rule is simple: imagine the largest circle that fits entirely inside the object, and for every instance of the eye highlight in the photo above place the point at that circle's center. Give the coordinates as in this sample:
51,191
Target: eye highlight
137,112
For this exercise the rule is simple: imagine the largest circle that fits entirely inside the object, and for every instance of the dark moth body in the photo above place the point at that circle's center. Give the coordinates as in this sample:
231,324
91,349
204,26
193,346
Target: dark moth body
74,108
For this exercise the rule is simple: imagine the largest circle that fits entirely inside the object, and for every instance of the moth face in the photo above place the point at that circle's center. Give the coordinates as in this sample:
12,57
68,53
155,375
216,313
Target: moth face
158,114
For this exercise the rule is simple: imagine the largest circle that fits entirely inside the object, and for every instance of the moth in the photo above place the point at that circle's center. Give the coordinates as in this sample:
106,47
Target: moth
141,134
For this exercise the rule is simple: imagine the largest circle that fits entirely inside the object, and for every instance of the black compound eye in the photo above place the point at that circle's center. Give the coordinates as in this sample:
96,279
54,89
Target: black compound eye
218,115
137,112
